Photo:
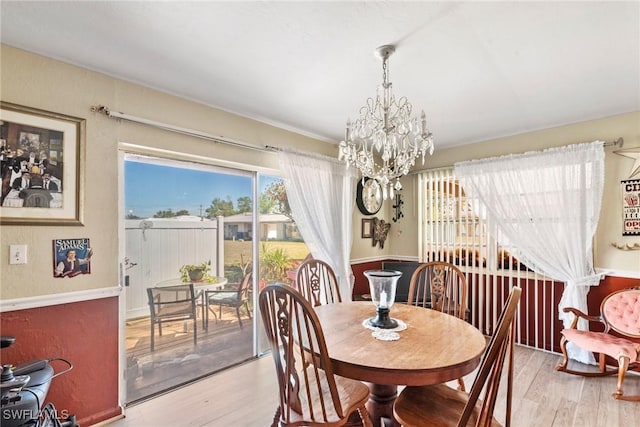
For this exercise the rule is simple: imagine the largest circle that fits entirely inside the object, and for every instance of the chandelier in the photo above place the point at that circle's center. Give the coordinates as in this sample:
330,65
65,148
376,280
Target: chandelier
384,142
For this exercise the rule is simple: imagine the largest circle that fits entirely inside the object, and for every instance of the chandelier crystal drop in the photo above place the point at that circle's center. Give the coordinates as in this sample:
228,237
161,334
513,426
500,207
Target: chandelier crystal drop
384,142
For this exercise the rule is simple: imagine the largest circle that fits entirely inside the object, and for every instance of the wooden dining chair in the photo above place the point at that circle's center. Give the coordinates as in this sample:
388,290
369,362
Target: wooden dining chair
620,314
443,287
234,298
440,405
172,304
309,392
317,282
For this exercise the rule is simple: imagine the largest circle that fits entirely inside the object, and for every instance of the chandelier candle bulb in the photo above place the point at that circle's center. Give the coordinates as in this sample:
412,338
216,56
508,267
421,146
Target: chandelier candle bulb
384,142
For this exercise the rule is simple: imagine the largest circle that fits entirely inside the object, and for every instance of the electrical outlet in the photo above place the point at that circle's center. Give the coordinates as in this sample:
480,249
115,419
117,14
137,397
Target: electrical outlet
17,254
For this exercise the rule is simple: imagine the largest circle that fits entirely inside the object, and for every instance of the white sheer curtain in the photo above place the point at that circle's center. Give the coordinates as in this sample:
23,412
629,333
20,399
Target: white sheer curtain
547,205
321,196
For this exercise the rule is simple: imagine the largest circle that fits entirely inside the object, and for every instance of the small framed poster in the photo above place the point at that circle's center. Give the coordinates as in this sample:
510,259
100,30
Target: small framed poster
71,257
631,207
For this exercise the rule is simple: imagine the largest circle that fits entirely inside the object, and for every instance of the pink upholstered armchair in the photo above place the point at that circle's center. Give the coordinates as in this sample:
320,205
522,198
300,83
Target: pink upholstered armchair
619,312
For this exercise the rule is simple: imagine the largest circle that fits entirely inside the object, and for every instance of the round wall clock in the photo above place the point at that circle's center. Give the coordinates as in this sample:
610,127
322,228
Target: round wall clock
369,196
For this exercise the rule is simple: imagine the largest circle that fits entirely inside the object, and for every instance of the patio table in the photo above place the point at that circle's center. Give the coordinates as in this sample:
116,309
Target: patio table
200,288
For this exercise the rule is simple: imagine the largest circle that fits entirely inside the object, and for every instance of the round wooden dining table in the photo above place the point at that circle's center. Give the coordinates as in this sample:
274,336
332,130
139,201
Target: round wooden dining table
434,348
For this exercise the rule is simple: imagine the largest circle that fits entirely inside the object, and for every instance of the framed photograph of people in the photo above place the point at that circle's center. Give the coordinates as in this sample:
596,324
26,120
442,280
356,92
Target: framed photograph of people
42,159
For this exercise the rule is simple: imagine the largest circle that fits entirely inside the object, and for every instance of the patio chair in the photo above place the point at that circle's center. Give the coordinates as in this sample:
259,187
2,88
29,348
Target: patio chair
309,392
172,304
440,405
234,298
440,286
620,314
317,282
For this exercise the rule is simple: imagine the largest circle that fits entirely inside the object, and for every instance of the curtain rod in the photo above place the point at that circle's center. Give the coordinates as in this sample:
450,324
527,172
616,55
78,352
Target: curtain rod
184,131
617,143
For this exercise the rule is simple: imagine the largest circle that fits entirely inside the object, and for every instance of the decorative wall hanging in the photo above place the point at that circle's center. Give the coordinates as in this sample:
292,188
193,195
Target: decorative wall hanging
41,156
632,153
630,207
627,246
71,257
380,232
397,212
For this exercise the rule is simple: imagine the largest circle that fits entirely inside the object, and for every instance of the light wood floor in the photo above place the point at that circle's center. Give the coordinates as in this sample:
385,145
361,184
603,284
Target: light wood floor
246,396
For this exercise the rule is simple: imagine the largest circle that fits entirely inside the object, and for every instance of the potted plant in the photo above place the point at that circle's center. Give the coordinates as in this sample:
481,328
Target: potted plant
195,272
274,263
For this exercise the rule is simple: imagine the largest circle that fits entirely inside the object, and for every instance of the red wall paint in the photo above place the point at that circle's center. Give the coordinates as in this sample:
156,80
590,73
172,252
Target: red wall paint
361,284
86,334
608,285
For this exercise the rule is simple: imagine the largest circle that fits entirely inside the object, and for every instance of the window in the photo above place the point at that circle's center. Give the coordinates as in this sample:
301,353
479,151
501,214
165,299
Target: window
453,229
452,232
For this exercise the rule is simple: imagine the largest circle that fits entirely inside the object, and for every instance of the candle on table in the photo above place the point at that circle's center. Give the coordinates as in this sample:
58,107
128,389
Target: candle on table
383,299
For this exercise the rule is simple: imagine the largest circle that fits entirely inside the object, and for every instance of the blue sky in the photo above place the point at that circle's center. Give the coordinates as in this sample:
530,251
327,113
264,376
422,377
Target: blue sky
151,187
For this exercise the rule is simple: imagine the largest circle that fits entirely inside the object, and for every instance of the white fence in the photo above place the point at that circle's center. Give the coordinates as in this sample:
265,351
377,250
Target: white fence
158,247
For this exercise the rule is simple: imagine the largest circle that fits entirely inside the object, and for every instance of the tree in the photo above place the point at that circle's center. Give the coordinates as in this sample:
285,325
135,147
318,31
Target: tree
164,214
220,207
267,204
182,212
245,204
278,196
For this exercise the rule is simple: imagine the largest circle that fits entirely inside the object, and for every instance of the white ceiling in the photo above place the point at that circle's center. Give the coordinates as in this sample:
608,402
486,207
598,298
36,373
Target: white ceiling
479,70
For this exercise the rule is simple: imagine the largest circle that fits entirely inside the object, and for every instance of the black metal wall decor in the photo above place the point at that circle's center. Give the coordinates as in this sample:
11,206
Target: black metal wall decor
397,208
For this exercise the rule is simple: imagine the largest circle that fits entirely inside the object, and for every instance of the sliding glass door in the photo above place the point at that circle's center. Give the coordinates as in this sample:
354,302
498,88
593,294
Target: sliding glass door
179,216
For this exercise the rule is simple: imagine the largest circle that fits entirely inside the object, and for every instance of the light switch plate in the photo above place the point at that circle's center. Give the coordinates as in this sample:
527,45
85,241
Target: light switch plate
17,254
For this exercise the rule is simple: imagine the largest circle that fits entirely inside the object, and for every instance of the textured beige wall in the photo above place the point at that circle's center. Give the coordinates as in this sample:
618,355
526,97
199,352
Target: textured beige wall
38,82
35,81
617,168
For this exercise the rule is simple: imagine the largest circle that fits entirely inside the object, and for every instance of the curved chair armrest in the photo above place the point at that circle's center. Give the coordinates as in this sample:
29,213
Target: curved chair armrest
219,291
579,314
229,287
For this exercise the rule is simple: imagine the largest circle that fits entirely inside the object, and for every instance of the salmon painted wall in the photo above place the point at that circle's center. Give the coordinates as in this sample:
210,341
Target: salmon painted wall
84,333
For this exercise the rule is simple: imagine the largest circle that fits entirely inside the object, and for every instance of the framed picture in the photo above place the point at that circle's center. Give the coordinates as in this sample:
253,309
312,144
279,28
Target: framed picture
631,207
42,159
71,257
367,228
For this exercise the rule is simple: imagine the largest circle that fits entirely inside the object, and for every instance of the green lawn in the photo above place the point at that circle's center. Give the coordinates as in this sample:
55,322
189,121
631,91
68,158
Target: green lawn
233,250
237,253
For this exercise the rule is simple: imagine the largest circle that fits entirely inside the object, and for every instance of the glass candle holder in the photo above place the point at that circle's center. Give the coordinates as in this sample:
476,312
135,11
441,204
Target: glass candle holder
382,286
